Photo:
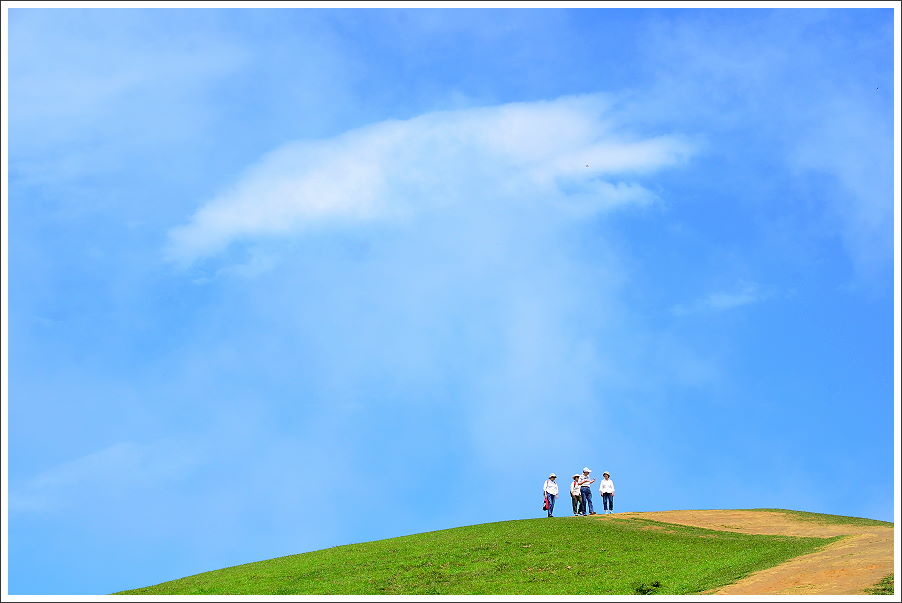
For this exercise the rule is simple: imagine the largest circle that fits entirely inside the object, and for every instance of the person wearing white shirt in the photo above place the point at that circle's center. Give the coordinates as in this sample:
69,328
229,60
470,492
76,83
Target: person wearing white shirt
574,494
550,490
585,492
607,492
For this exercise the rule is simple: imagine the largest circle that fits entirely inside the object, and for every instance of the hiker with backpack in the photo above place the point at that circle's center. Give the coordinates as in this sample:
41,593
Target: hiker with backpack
550,491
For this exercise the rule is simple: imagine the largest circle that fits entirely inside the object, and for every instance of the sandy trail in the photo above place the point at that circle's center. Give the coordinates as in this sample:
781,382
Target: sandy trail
845,567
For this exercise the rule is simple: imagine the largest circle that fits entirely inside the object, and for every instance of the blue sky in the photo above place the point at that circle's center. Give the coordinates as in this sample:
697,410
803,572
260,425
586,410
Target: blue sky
286,279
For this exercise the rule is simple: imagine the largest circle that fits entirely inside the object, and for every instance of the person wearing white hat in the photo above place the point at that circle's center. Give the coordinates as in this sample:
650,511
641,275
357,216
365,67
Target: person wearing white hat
550,490
585,492
574,494
607,492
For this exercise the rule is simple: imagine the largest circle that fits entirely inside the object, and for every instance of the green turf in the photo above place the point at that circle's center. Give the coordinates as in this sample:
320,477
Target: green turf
884,587
830,519
531,556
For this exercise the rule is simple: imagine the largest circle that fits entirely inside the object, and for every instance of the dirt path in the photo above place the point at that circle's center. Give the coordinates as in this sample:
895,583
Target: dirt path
845,567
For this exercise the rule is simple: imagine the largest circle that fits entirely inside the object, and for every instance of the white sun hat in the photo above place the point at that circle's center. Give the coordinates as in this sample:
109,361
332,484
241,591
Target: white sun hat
586,470
606,473
552,475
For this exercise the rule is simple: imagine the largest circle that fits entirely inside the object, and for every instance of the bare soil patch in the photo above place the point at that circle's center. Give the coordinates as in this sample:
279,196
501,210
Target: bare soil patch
846,567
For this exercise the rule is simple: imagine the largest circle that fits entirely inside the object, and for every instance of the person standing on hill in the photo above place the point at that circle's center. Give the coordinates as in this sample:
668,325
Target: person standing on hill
585,492
574,494
607,492
550,489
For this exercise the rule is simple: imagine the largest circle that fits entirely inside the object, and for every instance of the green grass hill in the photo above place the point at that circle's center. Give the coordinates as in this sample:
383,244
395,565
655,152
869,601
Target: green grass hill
531,556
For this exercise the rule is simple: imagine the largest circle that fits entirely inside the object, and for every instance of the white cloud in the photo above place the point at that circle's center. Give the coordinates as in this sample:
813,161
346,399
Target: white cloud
564,153
121,465
742,295
823,109
852,151
99,83
724,300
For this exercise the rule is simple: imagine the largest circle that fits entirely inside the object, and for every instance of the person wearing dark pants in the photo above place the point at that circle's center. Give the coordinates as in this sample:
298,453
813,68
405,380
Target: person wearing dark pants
607,492
574,494
585,492
550,489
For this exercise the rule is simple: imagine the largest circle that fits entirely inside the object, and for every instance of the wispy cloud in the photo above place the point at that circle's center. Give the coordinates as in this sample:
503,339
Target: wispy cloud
92,80
744,294
851,150
833,134
566,153
121,465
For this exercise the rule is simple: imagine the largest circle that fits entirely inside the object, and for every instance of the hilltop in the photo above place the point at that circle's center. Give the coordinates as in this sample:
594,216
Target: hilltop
672,552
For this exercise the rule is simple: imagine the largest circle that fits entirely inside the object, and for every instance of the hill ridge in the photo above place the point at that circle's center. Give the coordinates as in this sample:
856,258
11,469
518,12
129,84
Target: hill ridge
623,553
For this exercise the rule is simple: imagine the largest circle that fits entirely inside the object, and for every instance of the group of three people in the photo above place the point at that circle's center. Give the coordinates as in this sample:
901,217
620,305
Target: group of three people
581,493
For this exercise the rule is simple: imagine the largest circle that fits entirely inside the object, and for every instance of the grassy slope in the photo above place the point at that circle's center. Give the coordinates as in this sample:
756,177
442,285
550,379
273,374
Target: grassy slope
884,587
532,556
